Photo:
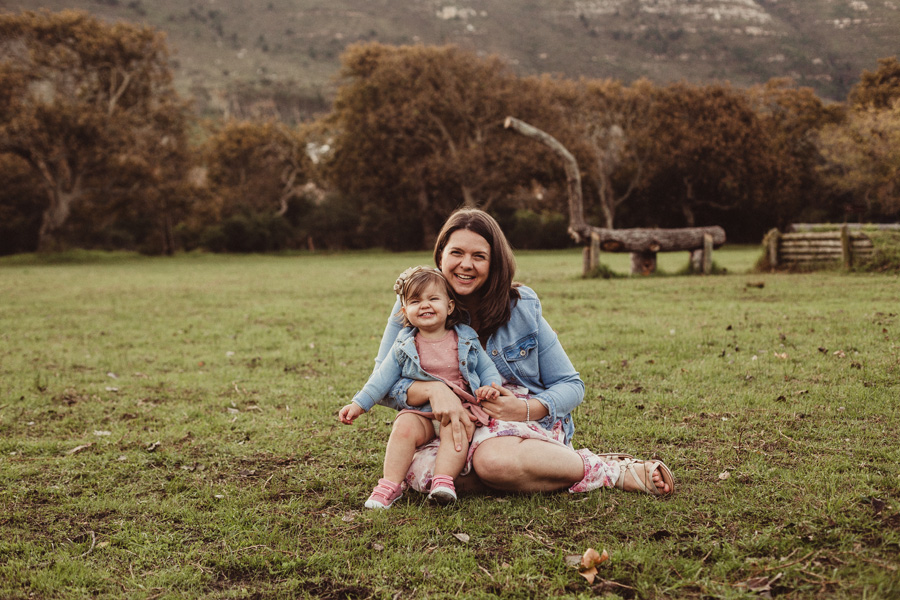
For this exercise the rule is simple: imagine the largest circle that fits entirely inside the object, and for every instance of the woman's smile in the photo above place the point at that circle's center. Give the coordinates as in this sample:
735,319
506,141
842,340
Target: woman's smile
466,261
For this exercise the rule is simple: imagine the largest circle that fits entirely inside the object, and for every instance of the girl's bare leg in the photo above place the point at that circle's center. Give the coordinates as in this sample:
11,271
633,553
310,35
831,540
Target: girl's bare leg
446,407
448,461
408,433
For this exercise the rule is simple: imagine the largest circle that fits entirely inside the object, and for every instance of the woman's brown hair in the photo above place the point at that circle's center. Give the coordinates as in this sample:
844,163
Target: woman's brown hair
498,293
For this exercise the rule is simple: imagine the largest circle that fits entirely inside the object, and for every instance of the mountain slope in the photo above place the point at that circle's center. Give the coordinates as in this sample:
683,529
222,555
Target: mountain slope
232,53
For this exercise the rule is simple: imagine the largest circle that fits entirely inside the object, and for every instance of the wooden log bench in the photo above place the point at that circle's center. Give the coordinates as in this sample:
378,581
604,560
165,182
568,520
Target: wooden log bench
643,244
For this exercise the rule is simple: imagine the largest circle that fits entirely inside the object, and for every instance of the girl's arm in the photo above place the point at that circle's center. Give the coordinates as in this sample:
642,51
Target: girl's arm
485,368
379,384
396,397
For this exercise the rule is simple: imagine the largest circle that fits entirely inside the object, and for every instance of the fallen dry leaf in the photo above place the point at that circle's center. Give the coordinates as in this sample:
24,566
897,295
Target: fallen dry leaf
464,538
589,561
724,475
78,449
760,585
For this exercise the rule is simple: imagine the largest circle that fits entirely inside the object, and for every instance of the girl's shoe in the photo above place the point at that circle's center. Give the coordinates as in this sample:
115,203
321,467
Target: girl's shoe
384,495
442,490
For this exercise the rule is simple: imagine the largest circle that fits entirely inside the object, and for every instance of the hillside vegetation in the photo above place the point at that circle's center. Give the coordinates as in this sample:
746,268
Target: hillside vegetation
244,61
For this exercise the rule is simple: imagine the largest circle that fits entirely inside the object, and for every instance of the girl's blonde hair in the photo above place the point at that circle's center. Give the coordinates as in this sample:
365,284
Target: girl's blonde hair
414,281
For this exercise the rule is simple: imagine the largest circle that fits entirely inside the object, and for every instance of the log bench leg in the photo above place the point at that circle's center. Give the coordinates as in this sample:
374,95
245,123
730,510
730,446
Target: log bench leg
643,263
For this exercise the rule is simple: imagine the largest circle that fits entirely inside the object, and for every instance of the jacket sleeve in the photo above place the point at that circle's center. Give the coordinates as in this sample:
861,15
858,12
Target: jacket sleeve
391,330
386,374
395,397
564,387
485,368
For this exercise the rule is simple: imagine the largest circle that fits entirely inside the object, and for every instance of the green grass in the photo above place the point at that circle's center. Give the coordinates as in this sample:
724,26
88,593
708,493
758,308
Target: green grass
168,429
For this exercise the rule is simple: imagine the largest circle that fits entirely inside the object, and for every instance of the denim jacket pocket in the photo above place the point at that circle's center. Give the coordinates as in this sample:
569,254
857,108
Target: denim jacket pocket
522,357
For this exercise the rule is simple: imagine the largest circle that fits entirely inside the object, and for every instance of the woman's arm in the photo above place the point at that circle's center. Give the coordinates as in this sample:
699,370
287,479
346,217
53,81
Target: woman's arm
526,350
394,326
564,387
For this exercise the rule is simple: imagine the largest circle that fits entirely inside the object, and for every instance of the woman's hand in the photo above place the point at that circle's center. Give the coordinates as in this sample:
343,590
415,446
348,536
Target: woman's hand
508,407
445,406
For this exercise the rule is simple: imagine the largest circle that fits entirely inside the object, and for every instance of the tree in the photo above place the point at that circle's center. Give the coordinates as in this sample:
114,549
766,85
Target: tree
91,108
709,152
791,118
877,89
862,161
418,131
608,123
258,166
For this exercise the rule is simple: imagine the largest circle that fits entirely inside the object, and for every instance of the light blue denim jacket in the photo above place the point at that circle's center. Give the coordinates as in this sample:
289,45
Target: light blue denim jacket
402,363
526,352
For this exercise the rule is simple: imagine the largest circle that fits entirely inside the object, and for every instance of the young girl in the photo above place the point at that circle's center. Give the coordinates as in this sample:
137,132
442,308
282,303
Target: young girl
434,346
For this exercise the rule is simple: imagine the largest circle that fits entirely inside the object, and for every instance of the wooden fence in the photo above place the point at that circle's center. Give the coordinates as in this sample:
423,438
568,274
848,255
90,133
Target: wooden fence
801,248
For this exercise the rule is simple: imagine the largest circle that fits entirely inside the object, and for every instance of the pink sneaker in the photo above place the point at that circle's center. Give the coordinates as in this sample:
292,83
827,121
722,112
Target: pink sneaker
384,495
442,490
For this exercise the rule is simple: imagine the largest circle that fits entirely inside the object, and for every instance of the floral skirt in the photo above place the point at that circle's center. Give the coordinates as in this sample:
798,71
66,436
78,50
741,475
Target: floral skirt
422,468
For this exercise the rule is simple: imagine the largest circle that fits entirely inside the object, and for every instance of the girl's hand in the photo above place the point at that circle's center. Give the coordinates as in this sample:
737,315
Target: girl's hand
349,413
446,407
508,407
486,393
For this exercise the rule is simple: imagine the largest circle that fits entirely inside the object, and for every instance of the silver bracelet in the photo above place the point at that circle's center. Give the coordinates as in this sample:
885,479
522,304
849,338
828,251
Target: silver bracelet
527,409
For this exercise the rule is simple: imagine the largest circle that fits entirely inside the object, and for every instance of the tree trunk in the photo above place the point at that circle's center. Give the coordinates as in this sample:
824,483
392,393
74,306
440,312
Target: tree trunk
578,229
55,216
429,235
643,263
468,198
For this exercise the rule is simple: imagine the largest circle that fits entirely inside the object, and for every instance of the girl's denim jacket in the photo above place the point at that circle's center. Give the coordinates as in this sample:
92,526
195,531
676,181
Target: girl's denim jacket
402,364
526,352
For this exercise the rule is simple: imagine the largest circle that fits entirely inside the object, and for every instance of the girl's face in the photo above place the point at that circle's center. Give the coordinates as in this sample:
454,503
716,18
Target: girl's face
429,310
466,261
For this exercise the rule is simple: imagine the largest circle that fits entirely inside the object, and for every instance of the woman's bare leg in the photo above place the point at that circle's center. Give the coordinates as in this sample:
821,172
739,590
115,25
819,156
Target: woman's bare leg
529,465
515,464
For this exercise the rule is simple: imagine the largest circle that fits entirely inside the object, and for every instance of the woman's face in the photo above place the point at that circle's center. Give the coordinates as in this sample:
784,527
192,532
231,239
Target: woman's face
466,261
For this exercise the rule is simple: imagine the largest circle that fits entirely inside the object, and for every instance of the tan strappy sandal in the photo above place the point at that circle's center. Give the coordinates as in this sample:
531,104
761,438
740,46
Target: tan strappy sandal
643,478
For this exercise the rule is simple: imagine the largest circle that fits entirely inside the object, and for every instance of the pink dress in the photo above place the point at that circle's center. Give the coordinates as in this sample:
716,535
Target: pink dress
421,470
440,358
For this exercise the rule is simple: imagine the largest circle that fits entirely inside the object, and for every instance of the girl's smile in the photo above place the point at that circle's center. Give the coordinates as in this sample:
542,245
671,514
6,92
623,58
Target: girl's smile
429,310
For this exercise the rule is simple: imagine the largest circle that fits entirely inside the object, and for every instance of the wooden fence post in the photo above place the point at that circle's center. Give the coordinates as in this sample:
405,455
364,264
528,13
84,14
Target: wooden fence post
846,246
774,237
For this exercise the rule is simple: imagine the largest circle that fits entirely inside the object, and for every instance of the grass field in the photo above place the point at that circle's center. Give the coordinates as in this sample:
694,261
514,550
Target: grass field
168,430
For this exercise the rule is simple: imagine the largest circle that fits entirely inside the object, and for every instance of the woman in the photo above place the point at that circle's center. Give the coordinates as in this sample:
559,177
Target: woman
526,447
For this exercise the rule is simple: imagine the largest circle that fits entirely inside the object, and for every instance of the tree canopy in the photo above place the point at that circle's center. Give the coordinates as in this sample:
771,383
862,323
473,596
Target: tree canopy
90,107
93,138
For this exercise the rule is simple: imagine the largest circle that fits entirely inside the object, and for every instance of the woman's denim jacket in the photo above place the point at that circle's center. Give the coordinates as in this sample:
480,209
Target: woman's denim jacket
403,364
526,352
